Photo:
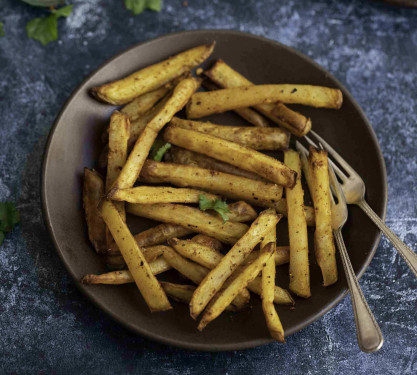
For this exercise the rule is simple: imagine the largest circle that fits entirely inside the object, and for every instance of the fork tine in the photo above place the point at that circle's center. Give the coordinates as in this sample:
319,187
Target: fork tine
334,154
336,188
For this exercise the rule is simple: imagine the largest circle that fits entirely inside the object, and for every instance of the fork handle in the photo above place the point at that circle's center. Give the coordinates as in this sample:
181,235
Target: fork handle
408,255
368,333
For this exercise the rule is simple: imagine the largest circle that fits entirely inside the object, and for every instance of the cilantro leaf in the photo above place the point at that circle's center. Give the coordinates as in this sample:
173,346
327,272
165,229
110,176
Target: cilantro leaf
138,6
63,12
1,29
9,217
216,204
159,149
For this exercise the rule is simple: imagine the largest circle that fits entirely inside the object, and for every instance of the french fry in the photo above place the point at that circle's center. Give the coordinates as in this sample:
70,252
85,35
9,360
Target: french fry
159,194
187,157
241,212
153,252
146,282
207,103
119,129
232,153
214,281
239,283
281,255
281,207
268,289
142,104
295,122
255,192
202,239
152,77
191,218
138,155
281,296
259,139
297,230
248,114
323,235
160,234
93,190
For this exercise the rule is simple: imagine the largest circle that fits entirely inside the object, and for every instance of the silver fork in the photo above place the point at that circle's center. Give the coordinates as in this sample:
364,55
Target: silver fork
354,190
368,333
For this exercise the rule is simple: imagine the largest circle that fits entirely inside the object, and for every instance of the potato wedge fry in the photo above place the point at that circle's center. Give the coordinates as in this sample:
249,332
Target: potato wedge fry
239,283
297,231
146,282
159,194
323,235
191,218
187,157
137,157
207,103
226,77
258,139
93,191
268,289
235,187
248,114
202,239
142,104
232,153
152,77
214,281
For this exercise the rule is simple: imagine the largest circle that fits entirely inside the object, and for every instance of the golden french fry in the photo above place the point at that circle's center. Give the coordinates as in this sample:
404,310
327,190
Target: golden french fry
213,282
192,218
153,252
255,192
178,292
202,239
281,296
187,157
93,191
210,102
268,289
258,139
137,157
281,207
239,283
240,212
323,235
232,153
160,234
248,114
226,77
146,282
281,255
297,230
159,194
152,77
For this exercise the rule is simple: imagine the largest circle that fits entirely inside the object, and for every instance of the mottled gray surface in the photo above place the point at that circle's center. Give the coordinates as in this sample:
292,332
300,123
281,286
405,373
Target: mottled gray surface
47,326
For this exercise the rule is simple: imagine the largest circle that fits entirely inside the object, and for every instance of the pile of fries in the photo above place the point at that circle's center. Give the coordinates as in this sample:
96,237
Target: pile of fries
180,176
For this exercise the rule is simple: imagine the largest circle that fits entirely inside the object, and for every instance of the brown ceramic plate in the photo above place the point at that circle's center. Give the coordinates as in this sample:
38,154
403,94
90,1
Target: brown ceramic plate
74,142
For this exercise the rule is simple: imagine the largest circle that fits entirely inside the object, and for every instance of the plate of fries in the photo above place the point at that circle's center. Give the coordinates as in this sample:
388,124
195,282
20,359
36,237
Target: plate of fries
175,197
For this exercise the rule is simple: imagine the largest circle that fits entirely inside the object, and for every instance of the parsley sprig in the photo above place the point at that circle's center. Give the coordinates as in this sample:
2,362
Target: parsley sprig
158,150
214,204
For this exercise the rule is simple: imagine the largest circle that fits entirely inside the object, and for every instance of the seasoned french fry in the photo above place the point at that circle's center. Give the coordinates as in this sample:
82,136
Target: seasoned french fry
93,191
146,282
226,77
202,239
213,282
160,234
323,235
152,77
191,218
258,139
248,114
137,157
281,255
281,207
142,104
256,192
159,194
209,102
201,254
268,288
239,283
232,153
187,157
297,229
241,211
281,296
153,252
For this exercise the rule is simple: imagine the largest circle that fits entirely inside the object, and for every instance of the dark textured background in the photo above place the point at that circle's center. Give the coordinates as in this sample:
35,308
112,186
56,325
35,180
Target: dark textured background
47,326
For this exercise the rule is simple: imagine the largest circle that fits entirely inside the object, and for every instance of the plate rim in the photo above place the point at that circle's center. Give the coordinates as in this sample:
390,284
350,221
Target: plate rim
156,337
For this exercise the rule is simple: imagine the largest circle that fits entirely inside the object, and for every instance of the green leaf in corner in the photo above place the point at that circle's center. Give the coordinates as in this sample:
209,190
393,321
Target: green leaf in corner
44,30
159,149
1,33
63,12
9,217
138,6
216,204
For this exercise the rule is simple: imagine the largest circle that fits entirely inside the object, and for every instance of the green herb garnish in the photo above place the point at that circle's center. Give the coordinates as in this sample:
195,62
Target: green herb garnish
138,6
159,149
214,204
9,217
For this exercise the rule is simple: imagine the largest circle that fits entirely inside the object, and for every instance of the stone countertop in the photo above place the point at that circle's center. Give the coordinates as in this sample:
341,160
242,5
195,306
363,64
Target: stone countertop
47,326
